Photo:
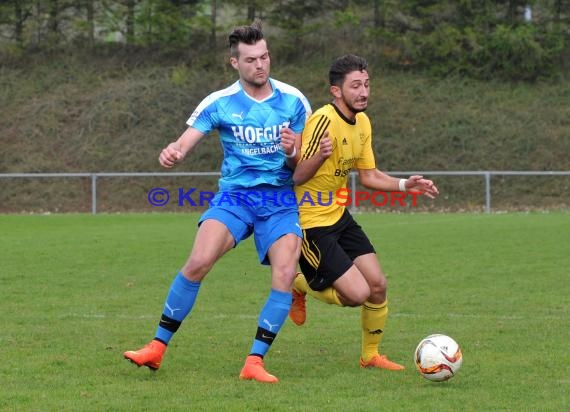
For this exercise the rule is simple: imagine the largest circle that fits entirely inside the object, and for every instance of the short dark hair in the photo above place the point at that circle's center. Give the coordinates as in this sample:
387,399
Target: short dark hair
344,65
245,34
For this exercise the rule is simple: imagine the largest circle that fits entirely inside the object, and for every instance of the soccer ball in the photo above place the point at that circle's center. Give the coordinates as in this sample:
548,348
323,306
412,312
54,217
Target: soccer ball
438,357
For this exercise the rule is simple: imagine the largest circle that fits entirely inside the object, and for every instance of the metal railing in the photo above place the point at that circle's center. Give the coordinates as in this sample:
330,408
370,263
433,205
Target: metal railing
486,175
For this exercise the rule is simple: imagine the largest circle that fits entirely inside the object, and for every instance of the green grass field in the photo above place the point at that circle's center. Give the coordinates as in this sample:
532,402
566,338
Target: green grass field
78,290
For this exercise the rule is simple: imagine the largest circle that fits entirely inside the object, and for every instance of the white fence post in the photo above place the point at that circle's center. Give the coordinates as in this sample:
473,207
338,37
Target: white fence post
94,194
487,192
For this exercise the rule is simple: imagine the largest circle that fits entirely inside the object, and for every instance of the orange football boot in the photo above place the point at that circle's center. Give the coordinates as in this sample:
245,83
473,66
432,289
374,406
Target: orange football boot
254,369
382,362
150,355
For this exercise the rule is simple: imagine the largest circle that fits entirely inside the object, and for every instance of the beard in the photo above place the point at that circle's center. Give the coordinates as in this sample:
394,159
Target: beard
256,81
354,109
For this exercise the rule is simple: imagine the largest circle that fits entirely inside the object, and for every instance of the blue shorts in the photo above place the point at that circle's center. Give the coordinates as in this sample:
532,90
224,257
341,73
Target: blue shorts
266,211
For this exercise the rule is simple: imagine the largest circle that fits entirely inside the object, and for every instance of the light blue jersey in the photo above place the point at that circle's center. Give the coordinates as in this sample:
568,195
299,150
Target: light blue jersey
250,132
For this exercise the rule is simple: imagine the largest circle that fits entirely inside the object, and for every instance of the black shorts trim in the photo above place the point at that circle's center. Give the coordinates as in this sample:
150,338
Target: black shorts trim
327,252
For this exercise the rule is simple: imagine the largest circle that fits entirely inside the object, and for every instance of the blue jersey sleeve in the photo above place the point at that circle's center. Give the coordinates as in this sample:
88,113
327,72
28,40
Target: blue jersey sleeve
205,118
299,118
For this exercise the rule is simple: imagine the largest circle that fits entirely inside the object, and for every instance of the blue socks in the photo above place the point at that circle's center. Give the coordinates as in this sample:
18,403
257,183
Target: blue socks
182,296
271,318
178,305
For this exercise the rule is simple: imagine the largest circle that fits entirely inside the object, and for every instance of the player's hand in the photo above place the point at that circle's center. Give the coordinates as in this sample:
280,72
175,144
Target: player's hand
288,138
424,186
170,155
326,146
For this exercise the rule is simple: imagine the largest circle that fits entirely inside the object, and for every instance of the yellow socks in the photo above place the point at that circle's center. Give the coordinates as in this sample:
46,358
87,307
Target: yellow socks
328,295
373,317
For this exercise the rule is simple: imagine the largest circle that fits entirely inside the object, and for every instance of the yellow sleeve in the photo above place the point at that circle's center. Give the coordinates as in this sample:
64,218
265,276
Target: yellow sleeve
312,135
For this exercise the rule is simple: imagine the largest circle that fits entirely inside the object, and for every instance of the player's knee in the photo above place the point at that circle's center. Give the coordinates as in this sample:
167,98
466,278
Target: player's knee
283,275
197,267
378,288
355,297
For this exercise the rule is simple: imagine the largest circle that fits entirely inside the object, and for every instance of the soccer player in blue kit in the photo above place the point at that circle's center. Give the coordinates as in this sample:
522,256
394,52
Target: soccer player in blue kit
259,120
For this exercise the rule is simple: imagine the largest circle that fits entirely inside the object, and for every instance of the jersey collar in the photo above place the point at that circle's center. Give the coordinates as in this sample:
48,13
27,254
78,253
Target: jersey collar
342,116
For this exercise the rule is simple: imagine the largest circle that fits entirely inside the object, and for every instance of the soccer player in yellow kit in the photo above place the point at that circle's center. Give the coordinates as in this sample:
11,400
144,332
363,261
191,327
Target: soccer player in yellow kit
338,262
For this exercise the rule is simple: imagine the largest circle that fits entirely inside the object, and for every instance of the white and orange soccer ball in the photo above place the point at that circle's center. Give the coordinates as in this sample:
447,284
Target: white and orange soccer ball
438,357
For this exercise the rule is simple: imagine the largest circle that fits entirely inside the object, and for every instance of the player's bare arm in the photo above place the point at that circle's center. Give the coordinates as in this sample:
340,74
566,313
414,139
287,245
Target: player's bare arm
376,180
291,145
308,167
176,151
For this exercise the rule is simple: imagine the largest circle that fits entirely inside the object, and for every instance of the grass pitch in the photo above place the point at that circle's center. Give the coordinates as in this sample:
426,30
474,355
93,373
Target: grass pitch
78,290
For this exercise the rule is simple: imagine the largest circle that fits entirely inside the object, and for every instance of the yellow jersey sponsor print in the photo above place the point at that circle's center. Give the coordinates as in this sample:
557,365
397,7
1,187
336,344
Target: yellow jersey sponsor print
319,203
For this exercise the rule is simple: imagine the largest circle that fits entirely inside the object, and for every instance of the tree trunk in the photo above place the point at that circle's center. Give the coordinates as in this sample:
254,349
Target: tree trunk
19,23
557,10
378,20
53,20
251,12
214,6
90,21
130,20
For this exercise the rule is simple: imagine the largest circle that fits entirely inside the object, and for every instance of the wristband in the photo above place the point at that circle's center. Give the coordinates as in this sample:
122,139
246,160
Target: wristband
292,155
402,185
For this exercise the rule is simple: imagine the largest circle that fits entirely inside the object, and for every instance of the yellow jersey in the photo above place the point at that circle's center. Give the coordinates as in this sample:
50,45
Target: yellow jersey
322,198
